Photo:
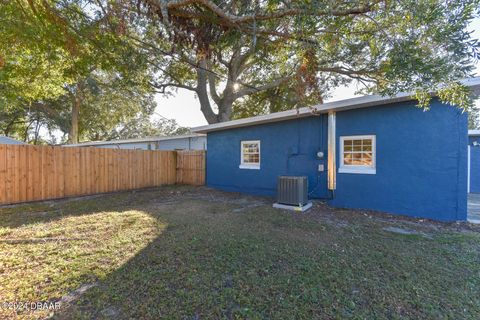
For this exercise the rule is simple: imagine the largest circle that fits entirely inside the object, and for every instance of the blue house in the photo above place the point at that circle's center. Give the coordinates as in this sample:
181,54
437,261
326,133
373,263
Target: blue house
372,152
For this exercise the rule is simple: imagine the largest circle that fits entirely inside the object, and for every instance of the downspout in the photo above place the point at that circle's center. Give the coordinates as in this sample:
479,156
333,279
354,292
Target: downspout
331,166
468,169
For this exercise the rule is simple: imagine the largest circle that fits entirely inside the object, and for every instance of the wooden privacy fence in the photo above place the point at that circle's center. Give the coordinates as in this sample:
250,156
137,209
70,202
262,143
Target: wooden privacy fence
31,173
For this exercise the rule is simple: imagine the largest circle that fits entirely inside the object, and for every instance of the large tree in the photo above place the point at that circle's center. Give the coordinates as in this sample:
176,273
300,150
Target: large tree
142,126
249,57
97,105
63,65
282,54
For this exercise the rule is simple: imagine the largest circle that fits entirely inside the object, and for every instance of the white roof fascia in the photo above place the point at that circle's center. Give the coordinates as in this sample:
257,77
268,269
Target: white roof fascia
341,105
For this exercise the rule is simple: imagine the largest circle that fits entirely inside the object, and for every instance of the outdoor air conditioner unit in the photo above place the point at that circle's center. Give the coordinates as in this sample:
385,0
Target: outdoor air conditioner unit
292,191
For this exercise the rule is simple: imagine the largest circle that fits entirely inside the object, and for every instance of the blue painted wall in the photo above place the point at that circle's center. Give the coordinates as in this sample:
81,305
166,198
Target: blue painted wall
421,159
287,148
474,164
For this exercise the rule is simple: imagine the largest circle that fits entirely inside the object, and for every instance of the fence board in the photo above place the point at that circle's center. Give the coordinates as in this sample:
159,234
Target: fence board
3,172
10,180
30,173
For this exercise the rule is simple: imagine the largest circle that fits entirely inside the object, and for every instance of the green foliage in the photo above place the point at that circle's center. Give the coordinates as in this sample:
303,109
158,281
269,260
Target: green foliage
386,48
108,102
240,58
33,63
142,126
457,95
52,47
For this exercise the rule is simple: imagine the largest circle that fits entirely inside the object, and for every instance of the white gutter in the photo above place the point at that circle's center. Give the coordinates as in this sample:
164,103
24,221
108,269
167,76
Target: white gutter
342,105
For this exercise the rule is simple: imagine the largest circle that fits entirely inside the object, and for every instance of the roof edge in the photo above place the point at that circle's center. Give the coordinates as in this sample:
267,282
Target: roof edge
340,105
137,140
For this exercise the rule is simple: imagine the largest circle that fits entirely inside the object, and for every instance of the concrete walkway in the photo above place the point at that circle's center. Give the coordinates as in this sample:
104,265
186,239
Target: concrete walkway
474,207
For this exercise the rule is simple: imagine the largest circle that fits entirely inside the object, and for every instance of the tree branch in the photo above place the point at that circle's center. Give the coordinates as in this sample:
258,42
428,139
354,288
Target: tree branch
286,12
249,89
364,75
212,83
163,86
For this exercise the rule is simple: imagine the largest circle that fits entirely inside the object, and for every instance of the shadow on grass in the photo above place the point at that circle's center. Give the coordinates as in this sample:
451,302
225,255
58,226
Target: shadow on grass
17,215
214,260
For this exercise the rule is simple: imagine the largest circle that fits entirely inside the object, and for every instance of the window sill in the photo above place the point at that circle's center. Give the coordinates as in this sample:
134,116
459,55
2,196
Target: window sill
249,166
357,170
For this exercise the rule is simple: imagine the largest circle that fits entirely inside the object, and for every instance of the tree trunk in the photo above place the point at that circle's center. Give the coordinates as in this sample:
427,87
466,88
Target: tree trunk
76,105
37,131
225,109
202,93
224,104
73,135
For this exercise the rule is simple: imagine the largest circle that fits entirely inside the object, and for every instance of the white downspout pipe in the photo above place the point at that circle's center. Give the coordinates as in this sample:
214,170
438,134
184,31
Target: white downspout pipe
468,169
331,165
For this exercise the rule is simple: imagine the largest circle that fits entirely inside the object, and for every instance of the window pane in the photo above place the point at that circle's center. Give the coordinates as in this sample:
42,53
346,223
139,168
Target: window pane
347,158
367,142
367,155
367,159
357,142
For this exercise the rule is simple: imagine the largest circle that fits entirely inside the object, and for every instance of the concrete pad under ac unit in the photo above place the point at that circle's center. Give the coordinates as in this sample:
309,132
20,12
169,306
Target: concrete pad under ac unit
303,208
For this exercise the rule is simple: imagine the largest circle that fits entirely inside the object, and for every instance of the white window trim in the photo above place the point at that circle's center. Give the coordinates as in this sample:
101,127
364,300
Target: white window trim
255,166
343,168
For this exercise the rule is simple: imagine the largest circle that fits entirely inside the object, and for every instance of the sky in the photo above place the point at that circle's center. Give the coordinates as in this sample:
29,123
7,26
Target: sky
185,108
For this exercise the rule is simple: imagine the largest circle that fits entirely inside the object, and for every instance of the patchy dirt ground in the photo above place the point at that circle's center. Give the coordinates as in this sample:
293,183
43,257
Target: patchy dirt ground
197,253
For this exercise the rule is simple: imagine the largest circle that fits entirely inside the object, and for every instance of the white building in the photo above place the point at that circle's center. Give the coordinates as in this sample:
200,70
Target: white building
182,142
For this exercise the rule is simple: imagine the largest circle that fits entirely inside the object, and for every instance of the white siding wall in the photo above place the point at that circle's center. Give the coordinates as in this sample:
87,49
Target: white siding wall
194,143
7,140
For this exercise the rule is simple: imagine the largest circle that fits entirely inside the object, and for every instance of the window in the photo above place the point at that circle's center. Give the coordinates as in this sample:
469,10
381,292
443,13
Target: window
250,155
357,154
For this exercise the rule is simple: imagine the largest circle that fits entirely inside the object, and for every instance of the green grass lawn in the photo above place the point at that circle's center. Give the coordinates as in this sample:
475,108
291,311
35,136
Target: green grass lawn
195,253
